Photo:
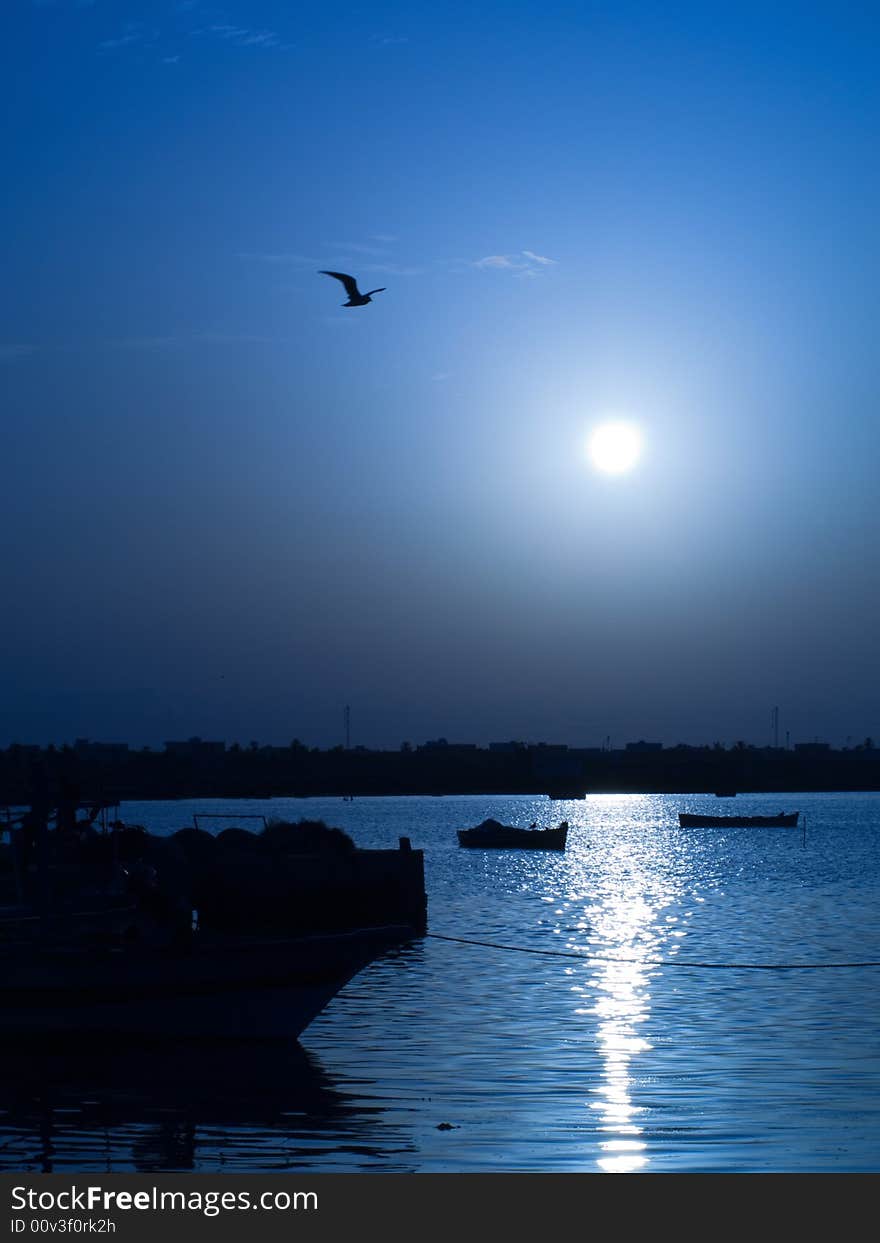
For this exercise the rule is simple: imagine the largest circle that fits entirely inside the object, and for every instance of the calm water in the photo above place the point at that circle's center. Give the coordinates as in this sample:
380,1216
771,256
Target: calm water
456,1057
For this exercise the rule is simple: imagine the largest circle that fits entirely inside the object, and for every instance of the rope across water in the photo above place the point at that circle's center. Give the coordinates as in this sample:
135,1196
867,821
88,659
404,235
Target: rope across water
658,962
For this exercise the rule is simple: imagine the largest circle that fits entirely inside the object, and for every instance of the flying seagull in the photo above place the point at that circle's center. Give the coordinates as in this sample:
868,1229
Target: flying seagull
355,297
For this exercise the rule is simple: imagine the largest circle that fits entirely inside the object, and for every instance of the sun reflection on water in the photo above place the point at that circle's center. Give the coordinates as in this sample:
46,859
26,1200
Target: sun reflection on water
621,1005
626,922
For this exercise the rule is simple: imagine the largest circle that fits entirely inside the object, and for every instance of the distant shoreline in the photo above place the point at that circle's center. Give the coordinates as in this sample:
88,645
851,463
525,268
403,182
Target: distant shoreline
114,795
114,773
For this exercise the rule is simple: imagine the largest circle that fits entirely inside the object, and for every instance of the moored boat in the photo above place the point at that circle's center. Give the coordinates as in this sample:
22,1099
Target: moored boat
785,820
214,987
239,936
493,835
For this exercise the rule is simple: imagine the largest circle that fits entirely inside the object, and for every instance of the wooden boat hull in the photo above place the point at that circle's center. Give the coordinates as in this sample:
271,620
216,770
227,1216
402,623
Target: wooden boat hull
493,836
785,820
219,988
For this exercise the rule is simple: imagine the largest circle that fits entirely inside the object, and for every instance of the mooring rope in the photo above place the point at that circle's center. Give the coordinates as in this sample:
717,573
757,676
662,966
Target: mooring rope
658,962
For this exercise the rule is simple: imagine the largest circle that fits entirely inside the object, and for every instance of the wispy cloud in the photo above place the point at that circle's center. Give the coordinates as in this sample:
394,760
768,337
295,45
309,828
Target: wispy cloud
145,343
12,350
235,338
496,261
245,36
193,338
342,256
391,269
520,264
279,257
170,60
133,32
530,254
372,258
388,40
345,256
356,248
113,45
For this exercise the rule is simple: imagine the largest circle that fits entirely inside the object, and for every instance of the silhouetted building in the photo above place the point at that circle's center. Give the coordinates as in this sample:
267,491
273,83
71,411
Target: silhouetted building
440,744
102,751
198,768
195,748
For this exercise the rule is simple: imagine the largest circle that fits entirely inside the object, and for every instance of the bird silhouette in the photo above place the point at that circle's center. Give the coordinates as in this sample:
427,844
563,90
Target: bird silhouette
355,297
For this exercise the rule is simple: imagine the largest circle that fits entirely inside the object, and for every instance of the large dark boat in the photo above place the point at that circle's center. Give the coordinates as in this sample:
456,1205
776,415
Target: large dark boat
493,835
785,820
215,988
194,936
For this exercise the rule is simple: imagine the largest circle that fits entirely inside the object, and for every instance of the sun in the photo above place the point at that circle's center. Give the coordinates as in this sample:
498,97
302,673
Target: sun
615,447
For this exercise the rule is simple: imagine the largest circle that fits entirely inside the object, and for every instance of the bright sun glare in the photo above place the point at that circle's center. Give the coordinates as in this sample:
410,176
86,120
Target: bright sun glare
615,447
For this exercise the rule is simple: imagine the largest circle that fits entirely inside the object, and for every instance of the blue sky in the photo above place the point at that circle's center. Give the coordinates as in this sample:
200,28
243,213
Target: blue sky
231,506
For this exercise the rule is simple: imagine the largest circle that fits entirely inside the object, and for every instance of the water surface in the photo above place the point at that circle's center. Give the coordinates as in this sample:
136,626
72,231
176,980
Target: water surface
640,1036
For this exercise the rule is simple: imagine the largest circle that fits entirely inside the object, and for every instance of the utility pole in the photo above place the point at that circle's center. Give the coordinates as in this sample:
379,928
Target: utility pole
347,728
774,718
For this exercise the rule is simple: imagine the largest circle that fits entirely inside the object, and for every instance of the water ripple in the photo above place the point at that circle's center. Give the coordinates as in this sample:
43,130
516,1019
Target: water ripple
451,1057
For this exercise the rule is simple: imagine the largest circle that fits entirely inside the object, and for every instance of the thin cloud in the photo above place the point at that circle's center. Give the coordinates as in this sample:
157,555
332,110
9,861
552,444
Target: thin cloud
280,257
113,45
530,254
235,338
13,349
356,248
245,36
388,40
496,261
195,338
145,343
261,38
392,269
341,254
133,33
521,264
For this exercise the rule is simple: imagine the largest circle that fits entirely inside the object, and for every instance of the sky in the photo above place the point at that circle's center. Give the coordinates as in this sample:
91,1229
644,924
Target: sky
230,506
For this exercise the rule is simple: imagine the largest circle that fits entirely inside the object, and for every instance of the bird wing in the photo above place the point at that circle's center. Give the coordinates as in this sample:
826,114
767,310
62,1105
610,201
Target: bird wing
348,281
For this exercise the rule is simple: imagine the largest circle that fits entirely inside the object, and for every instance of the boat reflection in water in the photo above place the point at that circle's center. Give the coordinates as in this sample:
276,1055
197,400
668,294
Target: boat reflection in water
151,1108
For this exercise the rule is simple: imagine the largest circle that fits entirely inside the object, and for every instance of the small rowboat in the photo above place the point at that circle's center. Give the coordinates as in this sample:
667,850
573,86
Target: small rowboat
785,820
492,835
